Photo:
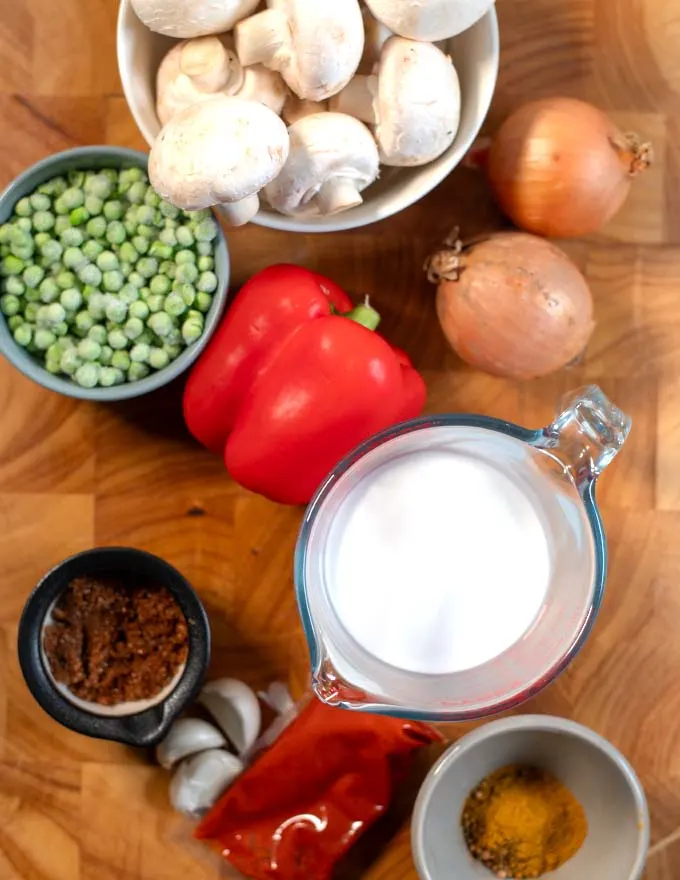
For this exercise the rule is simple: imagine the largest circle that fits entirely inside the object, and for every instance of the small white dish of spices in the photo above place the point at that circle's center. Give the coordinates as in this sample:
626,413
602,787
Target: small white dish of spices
531,796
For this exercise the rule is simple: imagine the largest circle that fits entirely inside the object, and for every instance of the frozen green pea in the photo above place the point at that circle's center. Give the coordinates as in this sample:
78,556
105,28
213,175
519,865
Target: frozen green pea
120,360
158,358
136,193
159,284
98,186
65,280
139,353
207,283
170,224
160,323
76,178
205,264
14,284
116,310
117,339
115,232
136,279
55,351
107,376
152,198
87,375
56,187
9,304
60,328
90,274
79,216
146,231
174,337
187,292
168,238
55,313
5,233
130,227
96,227
168,210
61,208
49,290
40,238
146,215
106,355
71,299
23,335
160,250
98,334
134,328
33,275
53,366
12,265
74,258
88,349
14,322
128,253
52,251
185,256
139,309
187,273
93,205
205,230
61,224
113,281
185,236
23,207
32,295
174,305
167,268
147,267
194,315
107,261
92,249
154,301
73,198
70,361
128,294
203,301
141,244
43,221
72,237
96,305
42,339
137,371
83,323
32,311
128,176
40,202
113,210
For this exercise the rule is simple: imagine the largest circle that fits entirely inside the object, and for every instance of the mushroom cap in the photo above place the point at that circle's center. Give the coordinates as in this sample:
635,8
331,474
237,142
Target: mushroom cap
429,20
192,18
195,70
323,147
417,107
220,150
327,42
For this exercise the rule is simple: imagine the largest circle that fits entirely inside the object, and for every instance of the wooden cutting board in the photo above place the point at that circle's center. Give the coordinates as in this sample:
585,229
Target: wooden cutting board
73,475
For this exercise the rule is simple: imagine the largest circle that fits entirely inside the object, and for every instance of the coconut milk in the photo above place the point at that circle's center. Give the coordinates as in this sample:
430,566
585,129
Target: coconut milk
441,561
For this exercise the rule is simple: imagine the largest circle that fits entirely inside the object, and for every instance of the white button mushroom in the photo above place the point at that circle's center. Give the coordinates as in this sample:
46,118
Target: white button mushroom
265,86
315,44
192,18
376,35
429,20
333,158
413,100
296,108
222,151
199,781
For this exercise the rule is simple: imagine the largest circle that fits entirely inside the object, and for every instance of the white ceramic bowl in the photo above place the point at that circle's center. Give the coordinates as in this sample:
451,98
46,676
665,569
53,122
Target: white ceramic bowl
596,773
475,54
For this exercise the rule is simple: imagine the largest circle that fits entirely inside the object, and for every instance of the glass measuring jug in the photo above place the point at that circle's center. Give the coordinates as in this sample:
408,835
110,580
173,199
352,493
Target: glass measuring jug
364,661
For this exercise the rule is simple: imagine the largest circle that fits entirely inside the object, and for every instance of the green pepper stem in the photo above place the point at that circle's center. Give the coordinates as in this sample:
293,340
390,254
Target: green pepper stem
365,315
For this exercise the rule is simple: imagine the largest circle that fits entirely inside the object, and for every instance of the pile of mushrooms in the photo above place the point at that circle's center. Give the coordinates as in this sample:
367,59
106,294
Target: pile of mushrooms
207,757
301,102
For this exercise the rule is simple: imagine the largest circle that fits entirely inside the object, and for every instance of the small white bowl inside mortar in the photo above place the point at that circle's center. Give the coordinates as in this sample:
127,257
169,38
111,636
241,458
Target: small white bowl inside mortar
475,54
595,772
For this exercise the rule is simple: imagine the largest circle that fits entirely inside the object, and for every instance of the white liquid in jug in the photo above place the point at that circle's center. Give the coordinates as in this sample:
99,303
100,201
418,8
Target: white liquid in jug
440,562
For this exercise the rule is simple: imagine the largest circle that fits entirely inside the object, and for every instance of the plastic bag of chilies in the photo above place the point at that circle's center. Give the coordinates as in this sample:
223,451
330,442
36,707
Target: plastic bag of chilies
305,799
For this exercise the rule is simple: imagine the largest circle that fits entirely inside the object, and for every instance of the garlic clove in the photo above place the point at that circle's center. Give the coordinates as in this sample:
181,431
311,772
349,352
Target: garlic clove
236,710
187,736
278,698
200,780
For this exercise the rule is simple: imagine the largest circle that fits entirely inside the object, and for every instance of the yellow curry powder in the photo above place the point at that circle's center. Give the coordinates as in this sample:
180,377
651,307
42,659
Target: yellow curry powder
522,822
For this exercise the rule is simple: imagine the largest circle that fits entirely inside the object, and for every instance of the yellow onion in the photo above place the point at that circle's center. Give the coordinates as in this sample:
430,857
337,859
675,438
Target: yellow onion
560,167
511,304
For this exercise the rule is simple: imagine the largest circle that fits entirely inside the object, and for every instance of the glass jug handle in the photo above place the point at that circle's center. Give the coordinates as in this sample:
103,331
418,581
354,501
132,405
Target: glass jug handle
587,434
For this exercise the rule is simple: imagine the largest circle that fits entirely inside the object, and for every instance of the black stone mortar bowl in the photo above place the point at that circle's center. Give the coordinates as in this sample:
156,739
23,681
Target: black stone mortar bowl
141,724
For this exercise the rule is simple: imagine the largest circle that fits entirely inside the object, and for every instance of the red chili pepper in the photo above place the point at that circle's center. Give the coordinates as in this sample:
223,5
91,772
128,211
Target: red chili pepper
290,384
303,803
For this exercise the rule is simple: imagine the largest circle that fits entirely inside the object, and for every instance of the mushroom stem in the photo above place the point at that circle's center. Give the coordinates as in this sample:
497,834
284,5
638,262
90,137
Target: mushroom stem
240,213
210,65
337,194
260,37
356,99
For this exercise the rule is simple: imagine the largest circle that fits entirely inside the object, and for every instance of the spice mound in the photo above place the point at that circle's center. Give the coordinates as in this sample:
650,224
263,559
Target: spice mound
112,642
521,822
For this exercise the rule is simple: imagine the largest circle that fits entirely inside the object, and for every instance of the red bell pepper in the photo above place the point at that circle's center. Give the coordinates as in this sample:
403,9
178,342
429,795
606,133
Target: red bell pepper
292,381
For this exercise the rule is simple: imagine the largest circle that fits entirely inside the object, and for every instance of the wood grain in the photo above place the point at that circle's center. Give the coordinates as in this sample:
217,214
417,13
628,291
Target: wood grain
74,475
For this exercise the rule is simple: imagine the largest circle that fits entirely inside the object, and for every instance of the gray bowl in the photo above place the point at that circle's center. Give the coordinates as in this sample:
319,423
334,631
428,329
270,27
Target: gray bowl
84,158
596,773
